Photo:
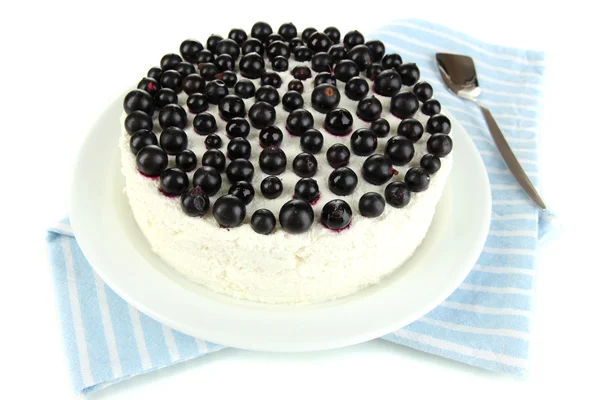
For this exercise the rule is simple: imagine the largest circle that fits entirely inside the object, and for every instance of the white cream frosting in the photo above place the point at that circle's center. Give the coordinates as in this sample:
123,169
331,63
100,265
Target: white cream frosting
284,268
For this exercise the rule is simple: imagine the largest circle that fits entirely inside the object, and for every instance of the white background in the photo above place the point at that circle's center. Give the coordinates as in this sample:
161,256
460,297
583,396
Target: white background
62,62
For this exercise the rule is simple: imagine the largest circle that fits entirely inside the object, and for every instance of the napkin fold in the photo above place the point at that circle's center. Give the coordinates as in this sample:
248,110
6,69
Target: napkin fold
485,322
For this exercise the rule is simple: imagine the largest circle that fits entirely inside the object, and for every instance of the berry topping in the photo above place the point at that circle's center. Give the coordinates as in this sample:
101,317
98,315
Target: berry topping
306,33
194,202
380,127
431,163
205,56
239,148
399,150
215,91
325,98
369,109
391,60
213,141
229,211
404,104
342,181
185,68
278,49
361,55
193,83
228,46
356,88
411,129
305,165
303,53
251,65
339,122
261,114
237,127
272,160
322,62
296,216
423,90
238,36
151,160
150,85
312,141
173,182
138,120
324,78
417,179
253,45
170,61
165,96
353,38
409,72
214,158
208,179
267,94
231,106
261,30
299,121
140,139
229,78
172,115
333,33
270,79
173,140
212,42
373,71
301,72
377,49
263,221
377,169
318,42
270,136
138,100
439,145
292,101
186,160
337,52
190,50
240,170
438,124
172,79
288,31
371,205
338,155
154,73
336,214
242,190
271,187
274,37
306,189
296,86
204,124
295,43
397,194
387,83
209,71
245,89
225,62
346,69
280,64
363,142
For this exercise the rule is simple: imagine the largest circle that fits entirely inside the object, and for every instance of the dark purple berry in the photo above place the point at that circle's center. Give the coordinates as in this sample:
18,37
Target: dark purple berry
404,104
438,124
231,106
373,71
239,148
346,69
312,141
212,42
193,83
399,150
215,91
137,120
333,33
307,32
150,85
208,179
242,190
325,98
251,65
336,214
229,78
387,83
245,89
397,194
268,94
151,160
377,49
173,182
228,46
371,205
377,169
280,64
240,170
272,160
338,155
338,122
324,78
237,127
141,139
185,68
411,129
261,114
296,86
214,158
186,160
306,189
409,72
299,121
423,90
356,88
197,103
417,179
305,165
391,60
172,115
173,140
190,50
253,45
439,145
353,38
431,163
270,136
238,36
204,124
369,109
337,52
322,62
165,96
278,49
194,202
292,101
229,211
271,187
154,73
380,127
342,181
263,221
138,100
363,142
296,216
288,31
213,141
172,79
170,61
261,30
303,53
361,55
318,42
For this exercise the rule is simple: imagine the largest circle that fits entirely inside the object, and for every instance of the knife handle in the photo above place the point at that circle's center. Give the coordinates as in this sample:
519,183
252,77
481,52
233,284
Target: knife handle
509,157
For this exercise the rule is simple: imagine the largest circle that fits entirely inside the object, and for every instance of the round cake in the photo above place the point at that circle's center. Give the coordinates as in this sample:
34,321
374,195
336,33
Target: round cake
288,167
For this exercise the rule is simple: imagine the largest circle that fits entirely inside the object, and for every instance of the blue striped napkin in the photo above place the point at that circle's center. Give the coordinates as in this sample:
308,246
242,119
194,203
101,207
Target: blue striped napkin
485,322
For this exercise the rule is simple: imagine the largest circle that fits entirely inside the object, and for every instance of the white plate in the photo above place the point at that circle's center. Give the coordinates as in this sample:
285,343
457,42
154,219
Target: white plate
119,253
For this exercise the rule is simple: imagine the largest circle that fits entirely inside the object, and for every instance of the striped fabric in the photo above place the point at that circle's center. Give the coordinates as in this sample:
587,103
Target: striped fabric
485,322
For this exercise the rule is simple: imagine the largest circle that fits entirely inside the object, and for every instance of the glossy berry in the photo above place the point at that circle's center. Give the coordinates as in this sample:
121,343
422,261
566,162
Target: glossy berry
253,45
165,96
373,71
272,160
399,150
186,160
204,124
380,127
301,72
305,165
439,145
322,62
339,122
338,155
417,179
346,69
197,103
342,181
240,170
325,98
173,182
205,56
225,63
356,88
238,36
261,30
361,55
377,49
312,141
172,79
261,114
397,194
369,109
209,71
237,127
242,190
377,169
214,158
371,205
154,73
387,83
274,37
190,50
278,49
245,89
271,187
268,94
296,216
140,139
288,31
411,129
306,189
229,211
353,38
231,106
333,33
172,115
138,100
229,78
270,79
137,120
215,91
251,65
280,64
299,121
438,124
151,160
336,214
173,140
194,202
170,61
212,42
324,78
404,104
193,83
409,72
213,141
303,53
149,85
185,68
363,142
391,60
292,101
296,86
423,90
208,179
431,163
228,46
337,52
318,42
295,43
239,148
263,221
270,136
306,33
